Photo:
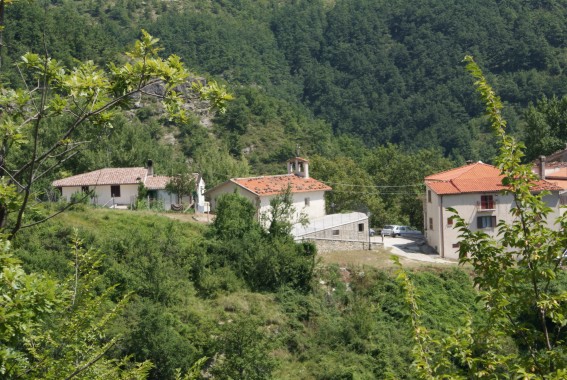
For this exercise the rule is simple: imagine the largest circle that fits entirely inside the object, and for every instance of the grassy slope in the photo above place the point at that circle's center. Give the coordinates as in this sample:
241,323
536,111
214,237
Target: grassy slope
336,331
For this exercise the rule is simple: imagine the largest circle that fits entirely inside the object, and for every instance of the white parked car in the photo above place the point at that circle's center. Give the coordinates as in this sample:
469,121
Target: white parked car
395,230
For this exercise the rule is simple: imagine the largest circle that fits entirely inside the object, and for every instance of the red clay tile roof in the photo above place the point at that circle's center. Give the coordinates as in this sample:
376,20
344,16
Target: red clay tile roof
560,173
114,176
107,176
157,182
474,178
562,183
275,184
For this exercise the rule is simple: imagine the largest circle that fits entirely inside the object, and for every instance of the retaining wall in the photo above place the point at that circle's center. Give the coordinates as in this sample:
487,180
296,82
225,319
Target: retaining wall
331,245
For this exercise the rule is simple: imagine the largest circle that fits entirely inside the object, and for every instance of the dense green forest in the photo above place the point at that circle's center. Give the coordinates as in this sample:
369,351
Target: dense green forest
338,79
374,93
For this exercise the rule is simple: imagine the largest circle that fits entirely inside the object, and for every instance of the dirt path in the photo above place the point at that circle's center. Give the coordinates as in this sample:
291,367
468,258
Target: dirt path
411,249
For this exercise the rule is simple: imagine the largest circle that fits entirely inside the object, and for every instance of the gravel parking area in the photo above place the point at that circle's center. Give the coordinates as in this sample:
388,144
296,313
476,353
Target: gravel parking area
414,249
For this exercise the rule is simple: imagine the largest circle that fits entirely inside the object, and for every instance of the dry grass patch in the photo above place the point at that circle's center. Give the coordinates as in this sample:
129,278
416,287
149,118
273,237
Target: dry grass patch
376,258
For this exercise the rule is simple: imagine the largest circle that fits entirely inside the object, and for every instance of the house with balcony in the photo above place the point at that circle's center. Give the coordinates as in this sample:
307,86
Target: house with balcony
553,168
475,191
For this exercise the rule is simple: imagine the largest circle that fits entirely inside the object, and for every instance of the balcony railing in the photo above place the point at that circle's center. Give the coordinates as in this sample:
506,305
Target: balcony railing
486,205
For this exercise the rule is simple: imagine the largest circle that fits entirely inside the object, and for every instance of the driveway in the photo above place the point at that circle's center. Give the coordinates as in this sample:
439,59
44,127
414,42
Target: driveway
413,249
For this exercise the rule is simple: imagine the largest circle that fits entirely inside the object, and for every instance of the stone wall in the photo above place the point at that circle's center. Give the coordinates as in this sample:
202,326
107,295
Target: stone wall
331,245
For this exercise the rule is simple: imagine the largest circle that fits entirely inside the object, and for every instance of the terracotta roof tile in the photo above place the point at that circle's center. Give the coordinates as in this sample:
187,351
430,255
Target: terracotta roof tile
559,173
108,176
157,182
275,184
474,178
115,176
562,183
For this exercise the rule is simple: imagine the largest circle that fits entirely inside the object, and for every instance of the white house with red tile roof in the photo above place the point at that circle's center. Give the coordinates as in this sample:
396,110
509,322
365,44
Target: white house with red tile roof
114,187
473,190
308,193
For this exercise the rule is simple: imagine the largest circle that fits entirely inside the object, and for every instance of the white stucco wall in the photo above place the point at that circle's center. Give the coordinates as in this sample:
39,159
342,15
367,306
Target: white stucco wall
200,201
229,188
166,198
128,194
444,236
315,209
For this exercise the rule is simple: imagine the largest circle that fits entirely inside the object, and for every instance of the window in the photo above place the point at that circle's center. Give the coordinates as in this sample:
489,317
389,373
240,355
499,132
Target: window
431,224
449,221
360,227
488,221
486,202
456,245
85,189
429,196
307,201
115,190
335,232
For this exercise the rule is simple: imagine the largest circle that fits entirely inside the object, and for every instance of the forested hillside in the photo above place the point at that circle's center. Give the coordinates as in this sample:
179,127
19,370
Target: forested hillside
336,78
381,71
373,92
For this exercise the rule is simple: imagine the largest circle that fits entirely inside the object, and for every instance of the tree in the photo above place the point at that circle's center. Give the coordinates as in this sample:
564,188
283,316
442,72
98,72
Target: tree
546,128
398,176
266,259
243,352
282,215
520,280
53,330
182,184
38,124
353,188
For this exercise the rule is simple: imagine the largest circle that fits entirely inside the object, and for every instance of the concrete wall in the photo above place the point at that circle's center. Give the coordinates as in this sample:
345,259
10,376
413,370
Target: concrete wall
200,201
166,198
229,188
315,209
444,238
348,231
326,245
128,194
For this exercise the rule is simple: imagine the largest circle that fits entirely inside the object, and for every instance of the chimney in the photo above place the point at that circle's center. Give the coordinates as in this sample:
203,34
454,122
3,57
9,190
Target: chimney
150,165
542,167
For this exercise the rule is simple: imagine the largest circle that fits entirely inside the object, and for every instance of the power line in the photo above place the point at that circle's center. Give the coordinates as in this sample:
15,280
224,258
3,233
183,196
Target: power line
373,193
372,186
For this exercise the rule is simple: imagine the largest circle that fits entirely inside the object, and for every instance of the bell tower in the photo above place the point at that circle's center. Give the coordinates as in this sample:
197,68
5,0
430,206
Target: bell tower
298,166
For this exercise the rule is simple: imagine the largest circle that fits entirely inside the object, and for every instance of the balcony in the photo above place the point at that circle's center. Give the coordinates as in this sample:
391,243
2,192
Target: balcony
486,206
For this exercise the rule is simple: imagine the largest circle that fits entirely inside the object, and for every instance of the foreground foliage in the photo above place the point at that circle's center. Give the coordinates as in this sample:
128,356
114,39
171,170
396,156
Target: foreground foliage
520,277
185,306
57,330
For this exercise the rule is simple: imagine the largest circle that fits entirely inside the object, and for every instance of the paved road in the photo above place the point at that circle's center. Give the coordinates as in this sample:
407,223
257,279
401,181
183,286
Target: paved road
411,249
